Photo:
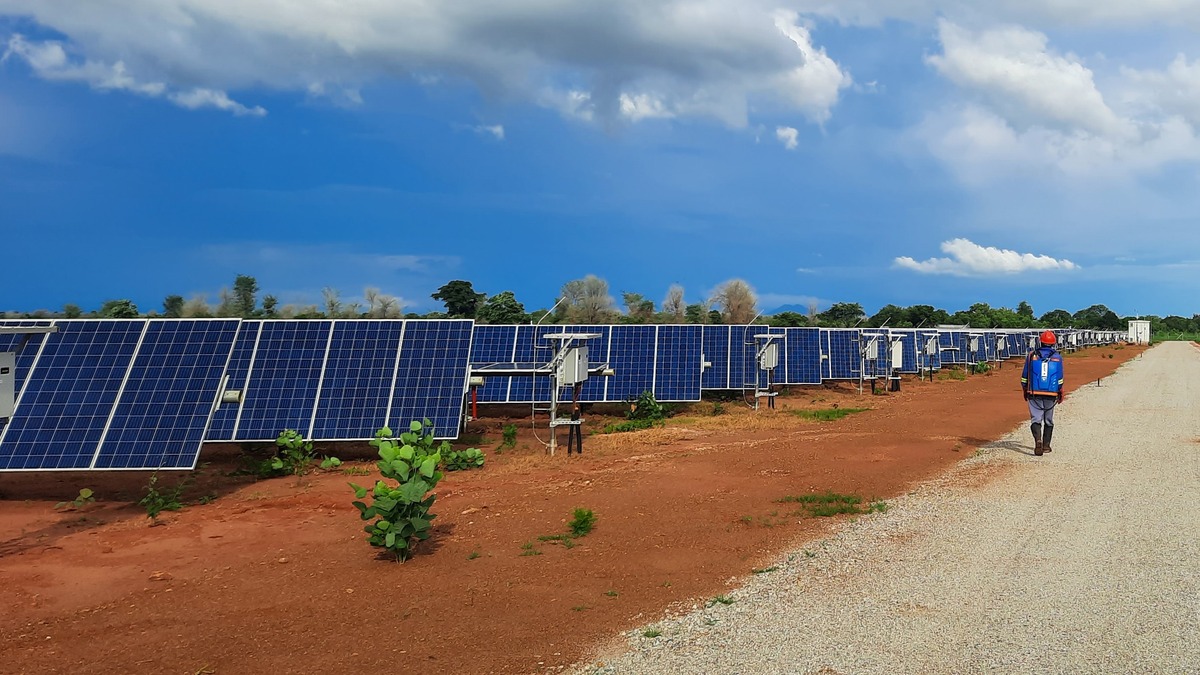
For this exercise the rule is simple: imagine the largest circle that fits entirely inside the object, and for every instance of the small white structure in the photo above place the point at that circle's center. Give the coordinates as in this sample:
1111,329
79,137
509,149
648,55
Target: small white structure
1139,332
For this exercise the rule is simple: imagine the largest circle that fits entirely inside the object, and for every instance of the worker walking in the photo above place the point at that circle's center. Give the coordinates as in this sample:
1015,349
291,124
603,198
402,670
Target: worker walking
1042,385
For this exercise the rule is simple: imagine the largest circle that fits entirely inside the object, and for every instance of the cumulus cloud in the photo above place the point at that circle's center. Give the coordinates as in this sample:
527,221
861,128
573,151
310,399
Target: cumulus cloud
620,60
496,131
967,259
787,136
1031,107
49,60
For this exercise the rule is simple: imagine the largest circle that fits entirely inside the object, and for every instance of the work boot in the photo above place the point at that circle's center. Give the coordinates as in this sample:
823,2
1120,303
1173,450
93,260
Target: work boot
1037,438
1046,436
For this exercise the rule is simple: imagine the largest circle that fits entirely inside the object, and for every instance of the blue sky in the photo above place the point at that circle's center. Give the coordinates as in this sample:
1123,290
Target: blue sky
882,151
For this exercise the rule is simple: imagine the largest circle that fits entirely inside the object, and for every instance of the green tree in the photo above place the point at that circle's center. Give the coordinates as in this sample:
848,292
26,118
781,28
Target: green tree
119,309
173,306
842,314
926,316
1025,309
695,313
502,308
787,320
1058,318
637,308
460,298
71,311
245,296
891,316
270,307
737,300
714,317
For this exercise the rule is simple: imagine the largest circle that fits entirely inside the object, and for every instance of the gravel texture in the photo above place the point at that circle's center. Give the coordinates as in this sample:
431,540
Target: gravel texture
1084,560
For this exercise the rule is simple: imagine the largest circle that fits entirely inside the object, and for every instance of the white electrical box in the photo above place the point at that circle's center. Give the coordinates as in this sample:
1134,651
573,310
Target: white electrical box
770,356
931,347
872,350
897,355
574,368
8,384
975,344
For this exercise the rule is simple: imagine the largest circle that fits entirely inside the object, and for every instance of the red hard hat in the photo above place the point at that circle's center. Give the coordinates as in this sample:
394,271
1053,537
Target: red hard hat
1048,337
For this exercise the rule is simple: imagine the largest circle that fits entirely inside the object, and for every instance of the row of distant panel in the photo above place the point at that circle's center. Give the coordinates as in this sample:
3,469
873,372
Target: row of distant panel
663,359
140,393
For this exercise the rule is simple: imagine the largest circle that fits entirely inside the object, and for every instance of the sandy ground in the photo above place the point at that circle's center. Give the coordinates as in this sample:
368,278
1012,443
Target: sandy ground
1085,560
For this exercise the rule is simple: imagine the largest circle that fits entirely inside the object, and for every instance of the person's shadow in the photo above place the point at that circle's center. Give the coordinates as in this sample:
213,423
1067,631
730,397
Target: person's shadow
1011,446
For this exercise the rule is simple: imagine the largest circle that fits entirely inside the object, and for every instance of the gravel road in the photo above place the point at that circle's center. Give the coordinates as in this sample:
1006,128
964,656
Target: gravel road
1085,560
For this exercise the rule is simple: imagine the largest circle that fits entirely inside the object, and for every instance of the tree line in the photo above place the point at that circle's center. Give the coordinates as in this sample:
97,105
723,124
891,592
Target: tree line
589,301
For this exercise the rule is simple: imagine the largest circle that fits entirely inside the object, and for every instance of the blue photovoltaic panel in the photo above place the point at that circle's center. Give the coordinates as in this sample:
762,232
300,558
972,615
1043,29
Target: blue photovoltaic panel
493,344
69,395
954,347
842,349
431,376
677,376
282,388
803,350
631,353
908,349
32,343
716,352
927,358
165,403
741,359
541,350
876,360
225,416
353,403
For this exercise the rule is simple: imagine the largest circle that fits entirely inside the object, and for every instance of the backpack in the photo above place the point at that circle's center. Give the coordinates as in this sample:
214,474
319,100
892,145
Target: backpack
1044,372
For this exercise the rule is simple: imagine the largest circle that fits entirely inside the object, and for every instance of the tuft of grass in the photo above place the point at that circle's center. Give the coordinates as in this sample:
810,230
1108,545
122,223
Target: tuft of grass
473,555
832,504
580,608
721,600
528,549
355,470
611,593
651,633
826,414
582,522
628,425
764,570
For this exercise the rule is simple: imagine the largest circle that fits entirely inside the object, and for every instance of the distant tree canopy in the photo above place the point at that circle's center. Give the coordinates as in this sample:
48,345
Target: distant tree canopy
118,309
173,306
587,300
737,302
502,308
842,315
460,298
245,296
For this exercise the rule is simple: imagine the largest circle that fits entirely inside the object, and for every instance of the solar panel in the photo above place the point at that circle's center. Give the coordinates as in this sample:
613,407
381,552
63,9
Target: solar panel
631,354
164,404
716,352
431,375
224,418
802,349
69,394
357,386
27,343
678,362
842,358
284,375
493,344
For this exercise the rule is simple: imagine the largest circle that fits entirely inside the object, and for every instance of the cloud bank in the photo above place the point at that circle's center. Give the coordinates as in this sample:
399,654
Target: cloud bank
968,259
619,60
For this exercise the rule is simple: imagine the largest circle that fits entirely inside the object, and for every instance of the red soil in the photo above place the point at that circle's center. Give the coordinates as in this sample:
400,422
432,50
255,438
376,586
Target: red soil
276,576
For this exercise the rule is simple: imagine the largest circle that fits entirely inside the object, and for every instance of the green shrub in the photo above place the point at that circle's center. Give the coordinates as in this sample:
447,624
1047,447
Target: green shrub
460,460
401,511
981,367
582,522
86,496
645,407
510,436
156,501
293,454
828,414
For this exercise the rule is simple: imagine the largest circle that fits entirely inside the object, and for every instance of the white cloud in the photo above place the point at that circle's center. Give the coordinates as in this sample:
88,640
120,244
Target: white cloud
1068,13
970,259
787,136
49,60
1032,108
627,59
210,98
494,130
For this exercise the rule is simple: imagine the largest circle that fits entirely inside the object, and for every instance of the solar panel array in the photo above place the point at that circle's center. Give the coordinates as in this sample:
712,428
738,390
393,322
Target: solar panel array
146,393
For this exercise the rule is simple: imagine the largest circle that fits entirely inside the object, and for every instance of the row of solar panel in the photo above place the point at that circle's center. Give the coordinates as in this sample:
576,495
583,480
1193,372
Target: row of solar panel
145,393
